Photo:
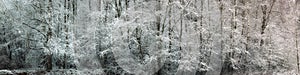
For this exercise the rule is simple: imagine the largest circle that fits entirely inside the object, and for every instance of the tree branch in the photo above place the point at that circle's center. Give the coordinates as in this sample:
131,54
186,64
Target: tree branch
268,16
35,29
41,21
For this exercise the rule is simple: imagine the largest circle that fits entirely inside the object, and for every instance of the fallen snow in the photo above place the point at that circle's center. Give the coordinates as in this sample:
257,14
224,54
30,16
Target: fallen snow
5,72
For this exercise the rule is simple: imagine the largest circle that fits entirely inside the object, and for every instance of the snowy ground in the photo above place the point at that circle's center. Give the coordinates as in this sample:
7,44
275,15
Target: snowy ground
99,72
52,72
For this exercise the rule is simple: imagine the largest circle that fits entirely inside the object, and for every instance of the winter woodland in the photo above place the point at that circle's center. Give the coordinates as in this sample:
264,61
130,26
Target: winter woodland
150,37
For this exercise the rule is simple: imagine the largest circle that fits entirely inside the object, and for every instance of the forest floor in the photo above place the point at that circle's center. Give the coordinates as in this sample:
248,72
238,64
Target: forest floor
100,72
51,72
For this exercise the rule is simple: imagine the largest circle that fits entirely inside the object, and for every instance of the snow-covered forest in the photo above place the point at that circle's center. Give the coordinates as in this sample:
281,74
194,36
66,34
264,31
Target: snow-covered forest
150,37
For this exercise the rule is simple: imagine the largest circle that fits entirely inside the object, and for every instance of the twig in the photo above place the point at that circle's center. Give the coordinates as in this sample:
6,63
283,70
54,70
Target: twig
30,39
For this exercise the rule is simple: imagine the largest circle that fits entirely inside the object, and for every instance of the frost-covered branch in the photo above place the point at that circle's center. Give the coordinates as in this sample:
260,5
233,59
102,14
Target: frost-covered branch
35,29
